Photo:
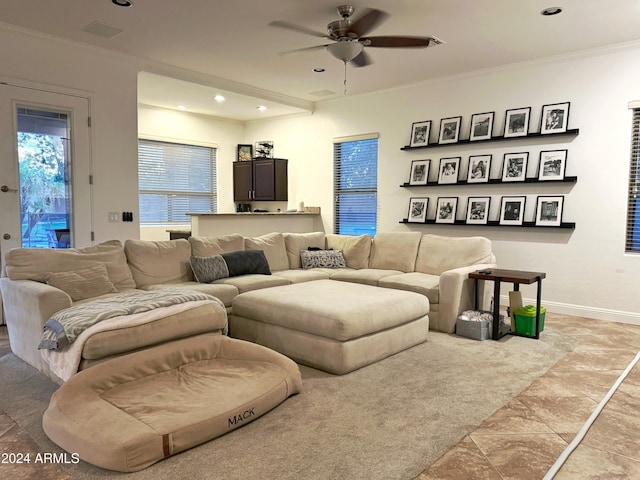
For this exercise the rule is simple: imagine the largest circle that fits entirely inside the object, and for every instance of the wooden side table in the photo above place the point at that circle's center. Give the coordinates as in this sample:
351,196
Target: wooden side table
517,277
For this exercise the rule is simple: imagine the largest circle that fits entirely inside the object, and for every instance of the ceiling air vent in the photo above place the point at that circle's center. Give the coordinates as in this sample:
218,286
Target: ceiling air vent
102,30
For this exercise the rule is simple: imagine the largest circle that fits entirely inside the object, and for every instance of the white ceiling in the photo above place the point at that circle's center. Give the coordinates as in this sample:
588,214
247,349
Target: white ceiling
212,46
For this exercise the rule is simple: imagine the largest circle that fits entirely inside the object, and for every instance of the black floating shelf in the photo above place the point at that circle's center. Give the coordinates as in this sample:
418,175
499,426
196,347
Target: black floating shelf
493,181
572,132
494,223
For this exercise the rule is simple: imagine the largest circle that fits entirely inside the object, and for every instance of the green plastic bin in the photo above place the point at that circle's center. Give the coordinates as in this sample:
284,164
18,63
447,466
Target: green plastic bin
526,320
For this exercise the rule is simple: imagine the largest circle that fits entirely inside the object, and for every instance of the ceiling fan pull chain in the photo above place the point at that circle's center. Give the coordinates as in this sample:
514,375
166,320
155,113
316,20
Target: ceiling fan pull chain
345,77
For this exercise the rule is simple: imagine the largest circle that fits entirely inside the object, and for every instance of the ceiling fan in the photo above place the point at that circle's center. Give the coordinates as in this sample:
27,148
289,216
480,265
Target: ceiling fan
349,40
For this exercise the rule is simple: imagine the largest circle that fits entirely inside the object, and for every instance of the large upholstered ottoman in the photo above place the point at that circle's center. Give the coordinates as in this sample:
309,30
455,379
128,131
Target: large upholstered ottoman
331,325
130,412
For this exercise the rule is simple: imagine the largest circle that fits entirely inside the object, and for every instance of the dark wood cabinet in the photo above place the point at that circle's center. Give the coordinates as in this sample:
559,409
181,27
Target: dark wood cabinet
260,179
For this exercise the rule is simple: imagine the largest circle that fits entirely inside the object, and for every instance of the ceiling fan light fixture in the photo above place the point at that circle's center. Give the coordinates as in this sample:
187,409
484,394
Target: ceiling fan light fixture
122,3
346,50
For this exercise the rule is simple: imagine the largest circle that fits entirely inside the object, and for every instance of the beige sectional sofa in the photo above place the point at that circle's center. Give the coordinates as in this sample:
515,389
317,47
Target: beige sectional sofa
434,266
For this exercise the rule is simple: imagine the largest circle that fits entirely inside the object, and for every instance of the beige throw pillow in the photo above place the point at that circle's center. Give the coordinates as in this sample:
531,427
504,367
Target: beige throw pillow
82,283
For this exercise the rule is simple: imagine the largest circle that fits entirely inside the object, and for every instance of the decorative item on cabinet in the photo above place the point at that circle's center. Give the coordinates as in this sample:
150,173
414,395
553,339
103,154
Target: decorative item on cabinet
245,153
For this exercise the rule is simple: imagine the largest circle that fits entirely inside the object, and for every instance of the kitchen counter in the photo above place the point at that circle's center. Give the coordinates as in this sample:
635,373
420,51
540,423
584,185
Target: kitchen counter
254,223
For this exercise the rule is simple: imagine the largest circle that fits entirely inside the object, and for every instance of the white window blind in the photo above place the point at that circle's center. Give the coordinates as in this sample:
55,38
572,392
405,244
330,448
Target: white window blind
632,243
175,179
355,185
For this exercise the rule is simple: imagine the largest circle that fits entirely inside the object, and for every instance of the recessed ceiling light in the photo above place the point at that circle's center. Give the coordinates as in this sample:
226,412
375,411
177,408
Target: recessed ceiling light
262,108
547,12
181,107
318,70
122,3
219,98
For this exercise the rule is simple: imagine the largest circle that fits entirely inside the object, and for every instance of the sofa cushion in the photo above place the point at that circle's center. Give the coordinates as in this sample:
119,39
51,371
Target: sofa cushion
395,251
298,275
224,293
208,246
423,283
272,244
296,242
82,283
356,249
322,259
246,262
437,254
245,283
367,276
35,263
164,261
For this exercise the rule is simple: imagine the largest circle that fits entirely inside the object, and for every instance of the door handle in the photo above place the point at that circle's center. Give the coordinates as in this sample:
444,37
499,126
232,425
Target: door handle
6,189
6,236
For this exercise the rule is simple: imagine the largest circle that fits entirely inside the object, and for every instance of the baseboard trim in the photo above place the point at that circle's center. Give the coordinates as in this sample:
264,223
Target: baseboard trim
596,313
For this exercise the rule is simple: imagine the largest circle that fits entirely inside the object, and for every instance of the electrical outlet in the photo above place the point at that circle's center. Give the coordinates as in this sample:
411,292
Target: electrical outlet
114,217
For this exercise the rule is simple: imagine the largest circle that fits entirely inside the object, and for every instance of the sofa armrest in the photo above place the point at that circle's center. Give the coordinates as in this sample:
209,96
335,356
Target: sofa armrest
457,294
27,306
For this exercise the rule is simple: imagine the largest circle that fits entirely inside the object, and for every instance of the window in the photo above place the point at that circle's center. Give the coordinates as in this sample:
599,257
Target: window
632,243
175,179
355,185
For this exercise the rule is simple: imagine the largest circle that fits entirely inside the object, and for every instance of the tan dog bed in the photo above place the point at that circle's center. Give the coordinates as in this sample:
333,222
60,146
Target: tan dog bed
130,412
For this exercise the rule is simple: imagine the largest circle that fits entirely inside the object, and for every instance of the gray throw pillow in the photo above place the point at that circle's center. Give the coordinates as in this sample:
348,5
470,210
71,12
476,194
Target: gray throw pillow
322,259
247,262
208,269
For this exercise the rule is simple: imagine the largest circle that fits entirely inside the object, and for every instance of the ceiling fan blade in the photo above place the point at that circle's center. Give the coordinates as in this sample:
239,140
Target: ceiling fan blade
397,42
302,50
361,60
368,21
297,28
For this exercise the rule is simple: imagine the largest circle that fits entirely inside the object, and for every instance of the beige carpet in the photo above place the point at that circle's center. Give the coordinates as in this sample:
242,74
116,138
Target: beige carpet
386,421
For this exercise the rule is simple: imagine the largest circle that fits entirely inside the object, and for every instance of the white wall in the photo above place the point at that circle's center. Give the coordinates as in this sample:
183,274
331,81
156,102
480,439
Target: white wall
110,83
588,272
170,125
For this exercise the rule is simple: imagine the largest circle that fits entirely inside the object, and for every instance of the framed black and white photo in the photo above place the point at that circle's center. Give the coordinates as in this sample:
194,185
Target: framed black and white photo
448,171
478,210
479,168
418,209
419,172
264,149
549,210
449,130
555,118
446,209
245,152
512,210
420,133
552,165
514,167
481,126
516,122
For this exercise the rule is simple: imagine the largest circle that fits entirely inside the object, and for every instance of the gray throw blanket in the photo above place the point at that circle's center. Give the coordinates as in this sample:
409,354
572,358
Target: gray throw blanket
64,326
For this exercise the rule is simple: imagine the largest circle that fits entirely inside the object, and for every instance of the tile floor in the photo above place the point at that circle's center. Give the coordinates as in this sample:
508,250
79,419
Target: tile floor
523,439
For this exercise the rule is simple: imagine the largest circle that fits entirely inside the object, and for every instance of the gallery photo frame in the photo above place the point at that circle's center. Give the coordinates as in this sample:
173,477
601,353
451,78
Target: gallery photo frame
419,174
516,122
514,166
418,207
446,208
420,132
481,126
554,118
449,130
512,210
448,170
478,210
549,210
479,168
553,164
